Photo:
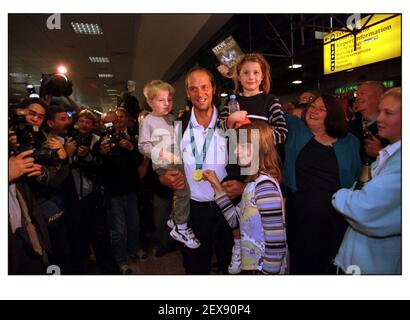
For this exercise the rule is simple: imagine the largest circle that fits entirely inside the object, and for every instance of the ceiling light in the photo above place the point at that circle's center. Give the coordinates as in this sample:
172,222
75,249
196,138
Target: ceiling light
295,66
86,28
62,70
105,75
297,81
111,90
224,94
112,94
99,59
350,70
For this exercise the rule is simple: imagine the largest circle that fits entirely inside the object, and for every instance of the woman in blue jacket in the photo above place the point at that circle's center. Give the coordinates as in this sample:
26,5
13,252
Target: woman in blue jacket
372,244
320,158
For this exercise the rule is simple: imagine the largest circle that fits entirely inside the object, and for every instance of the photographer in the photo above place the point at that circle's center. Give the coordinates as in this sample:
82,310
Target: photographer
86,216
120,159
28,238
49,193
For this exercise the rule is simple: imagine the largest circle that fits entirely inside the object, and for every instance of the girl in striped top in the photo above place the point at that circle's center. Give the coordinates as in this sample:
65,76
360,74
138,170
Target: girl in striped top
260,214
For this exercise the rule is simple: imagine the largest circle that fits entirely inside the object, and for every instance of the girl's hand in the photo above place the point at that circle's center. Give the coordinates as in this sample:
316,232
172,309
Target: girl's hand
224,71
237,116
210,176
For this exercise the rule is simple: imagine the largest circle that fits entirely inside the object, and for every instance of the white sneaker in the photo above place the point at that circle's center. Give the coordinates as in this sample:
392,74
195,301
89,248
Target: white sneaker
186,236
171,223
235,266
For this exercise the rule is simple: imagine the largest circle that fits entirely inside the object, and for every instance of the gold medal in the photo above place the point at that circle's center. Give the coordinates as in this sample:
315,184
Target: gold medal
197,176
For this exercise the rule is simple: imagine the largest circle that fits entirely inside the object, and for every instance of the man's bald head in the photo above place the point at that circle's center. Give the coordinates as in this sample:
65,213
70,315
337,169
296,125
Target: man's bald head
368,97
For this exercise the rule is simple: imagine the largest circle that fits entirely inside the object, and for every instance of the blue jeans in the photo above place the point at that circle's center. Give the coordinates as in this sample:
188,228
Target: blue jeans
125,220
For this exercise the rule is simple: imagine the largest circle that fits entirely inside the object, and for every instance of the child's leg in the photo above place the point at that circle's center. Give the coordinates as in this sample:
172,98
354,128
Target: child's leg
181,202
180,214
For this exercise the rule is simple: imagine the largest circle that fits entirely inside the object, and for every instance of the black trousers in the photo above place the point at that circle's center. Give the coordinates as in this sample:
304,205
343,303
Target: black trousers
215,235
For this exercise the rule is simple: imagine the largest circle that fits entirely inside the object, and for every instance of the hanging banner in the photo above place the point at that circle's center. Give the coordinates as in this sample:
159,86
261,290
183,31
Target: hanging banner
380,41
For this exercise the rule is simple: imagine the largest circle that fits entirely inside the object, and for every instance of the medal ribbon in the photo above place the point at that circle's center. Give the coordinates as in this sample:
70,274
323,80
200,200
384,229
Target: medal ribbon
200,158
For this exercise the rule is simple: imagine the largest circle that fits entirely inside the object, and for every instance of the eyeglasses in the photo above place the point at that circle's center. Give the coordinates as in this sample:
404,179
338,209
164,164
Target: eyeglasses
307,99
321,109
33,114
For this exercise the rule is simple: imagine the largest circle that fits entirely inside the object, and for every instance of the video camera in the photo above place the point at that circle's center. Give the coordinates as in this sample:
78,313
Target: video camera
55,85
26,138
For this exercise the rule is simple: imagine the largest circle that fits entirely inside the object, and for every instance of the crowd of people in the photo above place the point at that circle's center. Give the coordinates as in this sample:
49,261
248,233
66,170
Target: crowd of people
264,190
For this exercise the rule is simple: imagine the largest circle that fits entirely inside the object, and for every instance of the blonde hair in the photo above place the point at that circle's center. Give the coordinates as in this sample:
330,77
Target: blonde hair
152,87
394,93
258,58
269,161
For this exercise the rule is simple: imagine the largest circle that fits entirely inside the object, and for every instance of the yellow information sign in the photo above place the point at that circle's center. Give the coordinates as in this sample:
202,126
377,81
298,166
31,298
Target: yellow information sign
380,41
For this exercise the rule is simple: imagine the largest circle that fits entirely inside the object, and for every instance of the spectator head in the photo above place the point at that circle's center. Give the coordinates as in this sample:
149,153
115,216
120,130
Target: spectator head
122,117
35,111
368,97
241,68
159,95
200,87
86,121
389,119
306,97
326,111
57,120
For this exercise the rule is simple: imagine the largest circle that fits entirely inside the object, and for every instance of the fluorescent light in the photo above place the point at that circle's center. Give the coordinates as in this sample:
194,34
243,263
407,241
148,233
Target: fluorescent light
111,90
105,75
223,94
295,66
18,75
297,81
350,70
113,94
99,59
86,28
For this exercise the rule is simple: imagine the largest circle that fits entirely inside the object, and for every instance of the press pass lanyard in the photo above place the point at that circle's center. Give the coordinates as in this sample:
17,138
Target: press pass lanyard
200,158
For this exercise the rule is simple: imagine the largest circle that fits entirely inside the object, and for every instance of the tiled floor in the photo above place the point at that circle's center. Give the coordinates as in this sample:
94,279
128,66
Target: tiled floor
169,264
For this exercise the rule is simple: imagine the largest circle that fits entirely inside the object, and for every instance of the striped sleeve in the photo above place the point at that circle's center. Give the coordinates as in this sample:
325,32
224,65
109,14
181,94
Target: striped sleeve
222,121
269,204
230,212
277,120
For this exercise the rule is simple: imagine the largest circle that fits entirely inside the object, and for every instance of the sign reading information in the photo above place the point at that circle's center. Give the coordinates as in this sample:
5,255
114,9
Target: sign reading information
376,43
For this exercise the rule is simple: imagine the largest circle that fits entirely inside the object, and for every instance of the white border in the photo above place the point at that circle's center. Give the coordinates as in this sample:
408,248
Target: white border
190,287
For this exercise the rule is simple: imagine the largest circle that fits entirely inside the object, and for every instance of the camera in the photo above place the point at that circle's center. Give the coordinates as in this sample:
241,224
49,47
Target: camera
55,85
80,139
114,137
26,138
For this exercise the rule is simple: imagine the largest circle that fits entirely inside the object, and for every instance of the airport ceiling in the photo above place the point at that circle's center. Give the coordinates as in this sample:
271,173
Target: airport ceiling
144,47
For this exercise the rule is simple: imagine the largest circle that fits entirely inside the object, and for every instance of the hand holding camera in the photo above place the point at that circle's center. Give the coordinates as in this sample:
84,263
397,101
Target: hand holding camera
83,151
55,144
105,147
24,164
126,144
70,146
